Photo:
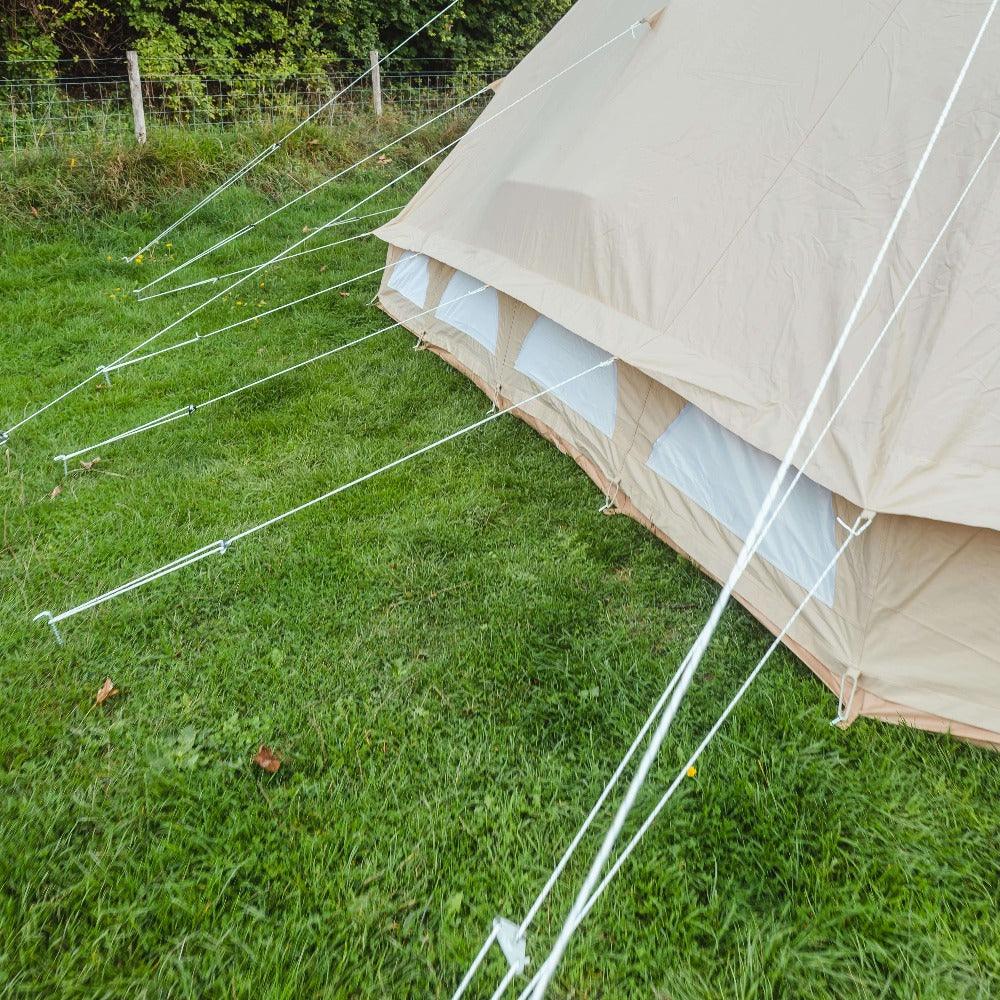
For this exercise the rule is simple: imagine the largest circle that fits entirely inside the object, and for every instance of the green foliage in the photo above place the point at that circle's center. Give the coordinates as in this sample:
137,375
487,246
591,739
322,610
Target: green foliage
34,35
281,37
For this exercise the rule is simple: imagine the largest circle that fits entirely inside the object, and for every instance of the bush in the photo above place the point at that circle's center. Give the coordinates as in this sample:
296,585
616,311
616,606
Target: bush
283,37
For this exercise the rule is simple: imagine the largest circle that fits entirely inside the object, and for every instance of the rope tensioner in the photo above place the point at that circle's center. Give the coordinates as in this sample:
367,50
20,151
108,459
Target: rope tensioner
187,411
220,547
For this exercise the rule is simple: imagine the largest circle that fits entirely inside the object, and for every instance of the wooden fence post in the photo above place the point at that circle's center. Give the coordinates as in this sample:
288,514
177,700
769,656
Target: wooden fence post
135,90
376,82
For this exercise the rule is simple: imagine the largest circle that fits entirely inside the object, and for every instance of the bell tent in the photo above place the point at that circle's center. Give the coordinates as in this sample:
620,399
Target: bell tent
699,210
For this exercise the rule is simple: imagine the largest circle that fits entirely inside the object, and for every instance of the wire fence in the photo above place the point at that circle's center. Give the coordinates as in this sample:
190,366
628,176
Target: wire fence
35,112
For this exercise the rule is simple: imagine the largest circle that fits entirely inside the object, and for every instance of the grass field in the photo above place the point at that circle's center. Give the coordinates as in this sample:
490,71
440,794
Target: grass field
450,661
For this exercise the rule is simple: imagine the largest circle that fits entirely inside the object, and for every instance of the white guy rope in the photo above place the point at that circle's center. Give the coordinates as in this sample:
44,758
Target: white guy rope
575,842
748,549
777,510
221,546
249,227
199,338
215,279
274,147
103,369
860,526
191,408
302,253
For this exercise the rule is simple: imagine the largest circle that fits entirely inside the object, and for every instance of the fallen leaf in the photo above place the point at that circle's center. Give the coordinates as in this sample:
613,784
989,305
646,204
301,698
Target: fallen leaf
307,229
267,760
344,295
108,690
384,159
34,211
87,466
55,492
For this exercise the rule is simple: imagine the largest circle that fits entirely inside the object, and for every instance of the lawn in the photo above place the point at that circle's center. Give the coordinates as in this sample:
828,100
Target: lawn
449,660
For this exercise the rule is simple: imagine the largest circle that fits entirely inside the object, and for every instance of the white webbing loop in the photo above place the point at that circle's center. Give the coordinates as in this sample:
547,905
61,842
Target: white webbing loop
611,498
750,545
332,222
186,411
220,547
844,708
274,147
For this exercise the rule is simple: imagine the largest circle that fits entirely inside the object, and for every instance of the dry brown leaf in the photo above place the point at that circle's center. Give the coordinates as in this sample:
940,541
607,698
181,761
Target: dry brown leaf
267,760
307,229
384,159
87,466
108,690
344,295
34,211
55,492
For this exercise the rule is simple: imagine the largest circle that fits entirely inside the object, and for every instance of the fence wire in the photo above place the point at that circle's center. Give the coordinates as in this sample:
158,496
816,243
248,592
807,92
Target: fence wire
37,111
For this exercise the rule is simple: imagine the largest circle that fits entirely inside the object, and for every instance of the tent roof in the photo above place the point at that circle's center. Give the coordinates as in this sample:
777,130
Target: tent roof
705,200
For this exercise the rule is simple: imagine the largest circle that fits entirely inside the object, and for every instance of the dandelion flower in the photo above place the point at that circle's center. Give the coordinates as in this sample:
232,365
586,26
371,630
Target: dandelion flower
692,771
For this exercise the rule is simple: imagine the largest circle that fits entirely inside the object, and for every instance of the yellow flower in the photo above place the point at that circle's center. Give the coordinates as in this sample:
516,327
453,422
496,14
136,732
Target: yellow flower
138,258
692,771
168,245
72,162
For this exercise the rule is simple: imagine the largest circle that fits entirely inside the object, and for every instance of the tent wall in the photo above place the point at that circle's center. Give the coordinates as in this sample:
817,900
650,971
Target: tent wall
911,609
705,199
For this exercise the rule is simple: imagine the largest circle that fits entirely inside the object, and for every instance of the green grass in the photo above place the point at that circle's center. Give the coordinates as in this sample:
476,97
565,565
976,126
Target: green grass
450,660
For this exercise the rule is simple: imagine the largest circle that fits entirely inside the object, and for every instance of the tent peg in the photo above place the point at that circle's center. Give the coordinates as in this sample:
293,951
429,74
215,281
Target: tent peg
47,615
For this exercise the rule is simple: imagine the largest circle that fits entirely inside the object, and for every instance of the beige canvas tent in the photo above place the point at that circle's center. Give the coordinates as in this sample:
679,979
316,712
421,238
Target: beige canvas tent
702,203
